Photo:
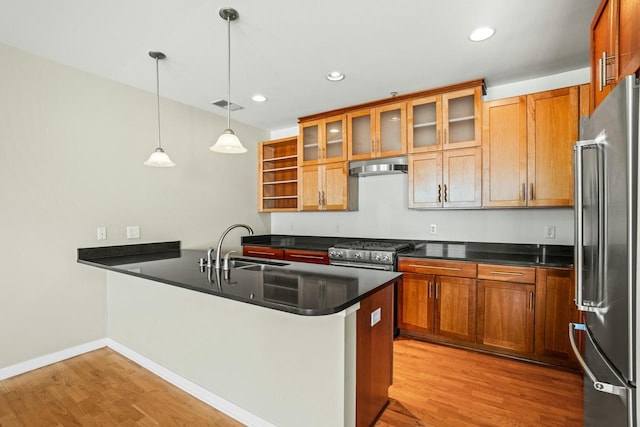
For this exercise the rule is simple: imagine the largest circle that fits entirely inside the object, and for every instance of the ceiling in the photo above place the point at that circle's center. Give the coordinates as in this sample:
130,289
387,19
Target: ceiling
284,48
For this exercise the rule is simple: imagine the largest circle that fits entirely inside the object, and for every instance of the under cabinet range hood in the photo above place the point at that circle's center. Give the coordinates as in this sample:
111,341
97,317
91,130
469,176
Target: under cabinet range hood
387,166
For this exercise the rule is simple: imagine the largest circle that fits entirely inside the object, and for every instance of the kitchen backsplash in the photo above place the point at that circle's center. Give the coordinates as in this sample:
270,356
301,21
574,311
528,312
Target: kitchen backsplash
383,213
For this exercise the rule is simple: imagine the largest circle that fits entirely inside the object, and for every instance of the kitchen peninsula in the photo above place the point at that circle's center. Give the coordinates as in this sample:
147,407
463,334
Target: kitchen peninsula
286,342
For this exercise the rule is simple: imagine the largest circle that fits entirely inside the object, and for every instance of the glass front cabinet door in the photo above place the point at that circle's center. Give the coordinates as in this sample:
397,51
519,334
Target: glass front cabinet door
448,121
377,132
323,141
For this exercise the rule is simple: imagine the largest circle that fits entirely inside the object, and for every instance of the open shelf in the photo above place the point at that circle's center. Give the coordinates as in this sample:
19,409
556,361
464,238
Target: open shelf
278,186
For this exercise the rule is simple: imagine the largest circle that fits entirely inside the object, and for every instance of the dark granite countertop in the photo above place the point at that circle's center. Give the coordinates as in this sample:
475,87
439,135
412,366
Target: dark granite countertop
533,255
496,253
299,288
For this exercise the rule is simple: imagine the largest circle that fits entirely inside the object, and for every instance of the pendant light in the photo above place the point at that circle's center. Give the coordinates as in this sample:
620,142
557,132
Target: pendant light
228,142
158,158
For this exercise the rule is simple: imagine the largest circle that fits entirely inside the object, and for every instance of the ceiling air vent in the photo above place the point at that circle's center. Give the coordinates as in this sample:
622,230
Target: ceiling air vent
222,103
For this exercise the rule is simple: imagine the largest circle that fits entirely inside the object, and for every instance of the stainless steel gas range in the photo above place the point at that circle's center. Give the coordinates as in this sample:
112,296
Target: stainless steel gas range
377,255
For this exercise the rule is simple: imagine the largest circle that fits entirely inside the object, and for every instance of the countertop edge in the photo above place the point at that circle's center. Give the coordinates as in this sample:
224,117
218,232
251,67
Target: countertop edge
286,309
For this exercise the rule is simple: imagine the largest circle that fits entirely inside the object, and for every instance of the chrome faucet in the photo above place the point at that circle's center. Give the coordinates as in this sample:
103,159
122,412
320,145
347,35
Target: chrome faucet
218,264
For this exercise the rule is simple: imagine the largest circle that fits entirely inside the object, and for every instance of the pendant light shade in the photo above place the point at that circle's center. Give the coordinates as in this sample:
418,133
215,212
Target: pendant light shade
228,142
158,158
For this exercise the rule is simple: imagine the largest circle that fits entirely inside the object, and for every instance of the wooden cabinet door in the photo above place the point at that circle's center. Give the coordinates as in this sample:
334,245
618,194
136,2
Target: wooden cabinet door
603,46
424,124
263,252
506,315
391,130
374,356
425,180
299,255
416,302
552,130
361,134
462,112
462,178
310,186
335,189
504,152
555,309
628,37
455,307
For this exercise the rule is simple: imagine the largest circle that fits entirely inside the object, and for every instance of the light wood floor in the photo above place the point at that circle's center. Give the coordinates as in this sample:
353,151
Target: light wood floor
433,386
441,386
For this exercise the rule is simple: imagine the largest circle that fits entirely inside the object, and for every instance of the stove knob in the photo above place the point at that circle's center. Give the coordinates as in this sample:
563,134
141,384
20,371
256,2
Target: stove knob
339,254
357,255
332,253
377,257
385,258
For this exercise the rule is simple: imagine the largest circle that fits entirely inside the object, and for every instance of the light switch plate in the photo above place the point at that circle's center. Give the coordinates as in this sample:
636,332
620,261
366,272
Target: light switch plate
133,232
376,316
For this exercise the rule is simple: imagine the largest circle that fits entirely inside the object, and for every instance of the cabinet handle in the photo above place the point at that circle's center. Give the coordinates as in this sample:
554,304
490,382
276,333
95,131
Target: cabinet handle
434,267
439,193
436,289
604,80
324,199
430,288
530,301
319,200
306,256
600,74
531,191
524,192
509,273
261,253
446,198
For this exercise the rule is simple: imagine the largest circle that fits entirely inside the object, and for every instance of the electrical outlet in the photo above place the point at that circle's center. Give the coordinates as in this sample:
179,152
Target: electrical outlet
433,229
376,316
133,231
102,233
550,231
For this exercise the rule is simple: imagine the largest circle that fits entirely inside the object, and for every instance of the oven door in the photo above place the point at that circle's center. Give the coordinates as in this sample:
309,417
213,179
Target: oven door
382,267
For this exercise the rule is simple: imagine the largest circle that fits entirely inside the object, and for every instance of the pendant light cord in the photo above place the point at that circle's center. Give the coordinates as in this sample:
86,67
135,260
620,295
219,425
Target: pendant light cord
158,102
229,71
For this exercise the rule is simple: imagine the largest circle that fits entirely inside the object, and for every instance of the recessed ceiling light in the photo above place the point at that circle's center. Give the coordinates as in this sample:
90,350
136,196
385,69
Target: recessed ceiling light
259,98
335,76
482,33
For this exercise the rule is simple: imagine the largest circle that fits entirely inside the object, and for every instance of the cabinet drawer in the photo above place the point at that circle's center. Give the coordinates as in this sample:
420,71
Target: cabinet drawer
438,267
263,252
505,273
316,257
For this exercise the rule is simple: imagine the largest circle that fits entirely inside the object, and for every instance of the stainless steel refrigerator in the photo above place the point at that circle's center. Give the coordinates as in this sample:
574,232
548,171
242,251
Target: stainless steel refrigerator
606,244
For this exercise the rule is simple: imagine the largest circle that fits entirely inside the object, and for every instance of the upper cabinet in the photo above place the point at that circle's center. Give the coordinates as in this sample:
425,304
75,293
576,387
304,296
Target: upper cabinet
323,141
377,132
445,121
528,149
615,45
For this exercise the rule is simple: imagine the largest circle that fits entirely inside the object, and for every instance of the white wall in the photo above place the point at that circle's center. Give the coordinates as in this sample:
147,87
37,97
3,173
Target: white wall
383,213
71,152
383,201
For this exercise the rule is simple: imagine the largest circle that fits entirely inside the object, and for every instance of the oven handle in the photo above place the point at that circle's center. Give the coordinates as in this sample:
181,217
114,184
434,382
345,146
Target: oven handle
361,265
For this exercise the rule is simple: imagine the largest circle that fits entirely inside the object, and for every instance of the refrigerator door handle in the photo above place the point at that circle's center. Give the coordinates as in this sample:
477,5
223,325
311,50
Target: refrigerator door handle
579,221
600,386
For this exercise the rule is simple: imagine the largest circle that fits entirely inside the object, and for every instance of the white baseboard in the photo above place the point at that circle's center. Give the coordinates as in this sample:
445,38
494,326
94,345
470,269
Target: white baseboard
200,393
39,362
193,389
